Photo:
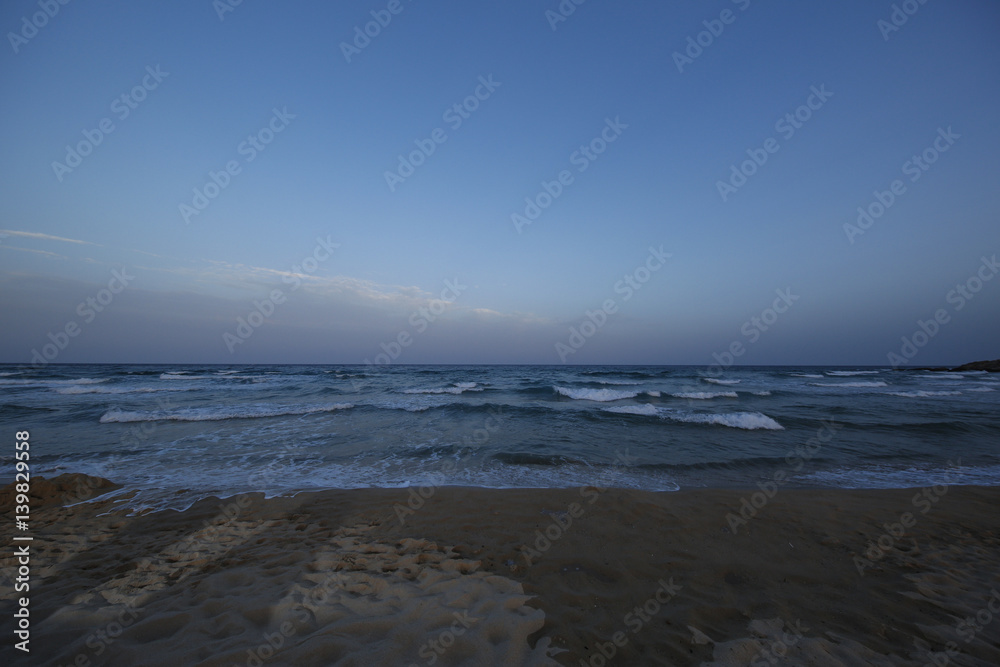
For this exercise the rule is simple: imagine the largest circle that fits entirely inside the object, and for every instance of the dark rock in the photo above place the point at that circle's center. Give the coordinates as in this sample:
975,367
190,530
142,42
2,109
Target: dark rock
66,489
991,366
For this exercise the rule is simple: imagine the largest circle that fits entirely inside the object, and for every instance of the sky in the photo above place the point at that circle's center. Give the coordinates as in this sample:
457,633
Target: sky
713,182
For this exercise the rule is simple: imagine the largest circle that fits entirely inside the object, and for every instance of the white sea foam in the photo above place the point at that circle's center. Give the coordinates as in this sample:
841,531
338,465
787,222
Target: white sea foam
717,381
646,410
943,376
854,385
183,376
52,383
623,383
923,394
979,389
218,414
409,406
601,395
806,375
458,388
654,394
117,390
705,395
850,373
761,393
745,420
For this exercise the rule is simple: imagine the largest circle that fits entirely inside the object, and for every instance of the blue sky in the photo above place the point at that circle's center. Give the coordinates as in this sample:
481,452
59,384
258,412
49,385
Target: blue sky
887,95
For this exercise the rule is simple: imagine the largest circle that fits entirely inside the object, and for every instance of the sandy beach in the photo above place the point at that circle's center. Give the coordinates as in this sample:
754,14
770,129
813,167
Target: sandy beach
582,576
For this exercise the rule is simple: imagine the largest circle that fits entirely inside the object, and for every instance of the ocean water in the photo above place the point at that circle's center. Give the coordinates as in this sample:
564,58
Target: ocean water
174,434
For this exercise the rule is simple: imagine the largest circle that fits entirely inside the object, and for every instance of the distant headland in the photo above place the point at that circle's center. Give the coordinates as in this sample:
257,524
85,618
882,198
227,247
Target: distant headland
989,366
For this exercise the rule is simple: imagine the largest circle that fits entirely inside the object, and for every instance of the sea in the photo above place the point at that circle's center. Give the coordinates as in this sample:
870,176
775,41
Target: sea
174,434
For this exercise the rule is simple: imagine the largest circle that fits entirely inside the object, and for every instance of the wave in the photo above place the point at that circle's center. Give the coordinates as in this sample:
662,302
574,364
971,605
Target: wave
761,393
218,414
806,375
717,381
745,420
903,476
850,373
528,458
656,394
456,388
600,395
413,405
183,376
645,410
923,394
855,385
23,409
943,376
52,383
628,374
705,395
117,390
979,389
622,383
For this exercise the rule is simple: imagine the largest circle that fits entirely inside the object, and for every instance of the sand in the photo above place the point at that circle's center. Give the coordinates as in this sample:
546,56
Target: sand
514,577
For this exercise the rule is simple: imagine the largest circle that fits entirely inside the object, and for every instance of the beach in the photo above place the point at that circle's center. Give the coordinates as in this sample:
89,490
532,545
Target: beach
457,575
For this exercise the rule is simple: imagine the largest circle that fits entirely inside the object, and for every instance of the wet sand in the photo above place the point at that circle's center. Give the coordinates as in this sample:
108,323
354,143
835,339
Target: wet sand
507,577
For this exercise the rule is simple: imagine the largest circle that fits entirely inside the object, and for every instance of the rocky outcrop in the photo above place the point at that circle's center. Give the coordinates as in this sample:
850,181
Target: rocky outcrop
65,489
991,366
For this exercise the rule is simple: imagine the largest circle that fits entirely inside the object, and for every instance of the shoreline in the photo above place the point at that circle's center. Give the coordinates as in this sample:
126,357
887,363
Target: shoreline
531,570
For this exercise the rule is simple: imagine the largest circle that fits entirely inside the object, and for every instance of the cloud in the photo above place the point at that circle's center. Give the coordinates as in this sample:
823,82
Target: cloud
46,237
309,326
37,252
